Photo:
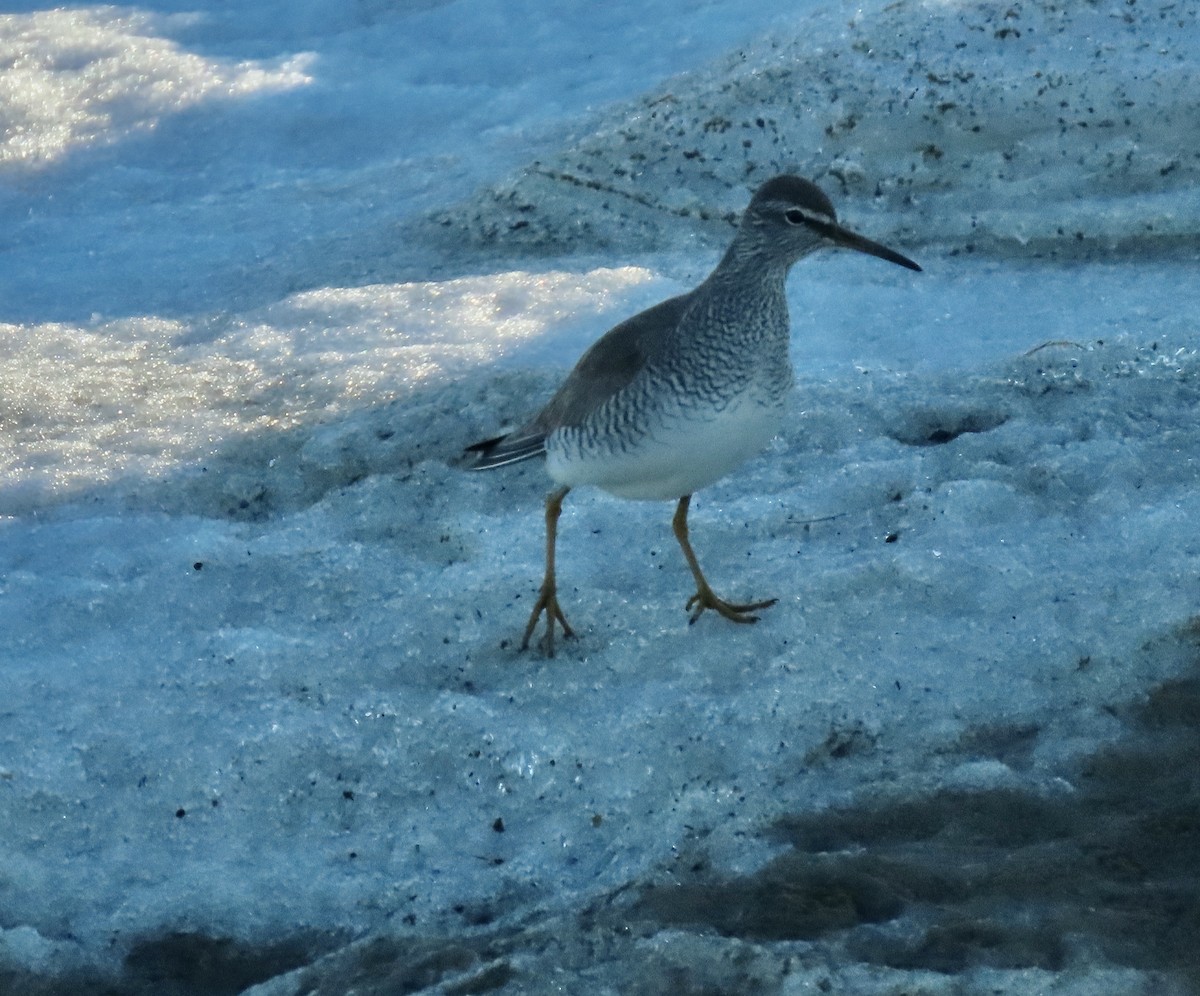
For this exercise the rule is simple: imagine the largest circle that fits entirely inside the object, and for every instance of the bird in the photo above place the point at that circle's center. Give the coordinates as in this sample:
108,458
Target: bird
679,395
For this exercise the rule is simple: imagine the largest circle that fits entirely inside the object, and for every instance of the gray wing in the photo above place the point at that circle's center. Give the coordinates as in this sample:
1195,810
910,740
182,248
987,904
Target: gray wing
610,364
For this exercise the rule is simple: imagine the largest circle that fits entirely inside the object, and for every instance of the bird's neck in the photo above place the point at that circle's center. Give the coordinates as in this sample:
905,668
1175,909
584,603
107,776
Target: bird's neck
745,298
751,268
747,269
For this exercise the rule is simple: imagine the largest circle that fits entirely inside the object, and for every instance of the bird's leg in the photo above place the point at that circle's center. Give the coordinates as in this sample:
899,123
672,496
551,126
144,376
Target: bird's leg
548,597
705,597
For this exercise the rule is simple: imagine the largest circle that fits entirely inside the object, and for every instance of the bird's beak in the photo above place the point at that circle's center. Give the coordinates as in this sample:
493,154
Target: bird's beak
851,240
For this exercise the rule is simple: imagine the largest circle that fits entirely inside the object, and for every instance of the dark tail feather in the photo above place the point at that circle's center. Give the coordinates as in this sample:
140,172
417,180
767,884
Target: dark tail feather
503,450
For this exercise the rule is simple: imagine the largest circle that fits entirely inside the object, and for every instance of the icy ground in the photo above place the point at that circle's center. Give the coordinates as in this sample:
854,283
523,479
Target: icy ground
263,723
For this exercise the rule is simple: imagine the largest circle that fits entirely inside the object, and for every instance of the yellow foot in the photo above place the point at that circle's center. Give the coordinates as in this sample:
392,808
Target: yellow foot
548,603
705,598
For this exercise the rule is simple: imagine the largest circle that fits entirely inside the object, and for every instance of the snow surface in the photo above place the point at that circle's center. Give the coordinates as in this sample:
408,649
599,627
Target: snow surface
267,270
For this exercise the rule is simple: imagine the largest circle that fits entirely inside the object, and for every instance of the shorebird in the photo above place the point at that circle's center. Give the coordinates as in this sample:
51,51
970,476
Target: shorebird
676,397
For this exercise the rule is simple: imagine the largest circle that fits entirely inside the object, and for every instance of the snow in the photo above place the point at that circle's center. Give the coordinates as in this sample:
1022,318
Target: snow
265,726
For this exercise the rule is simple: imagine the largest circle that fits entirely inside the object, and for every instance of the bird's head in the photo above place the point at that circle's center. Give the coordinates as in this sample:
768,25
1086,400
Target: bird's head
791,215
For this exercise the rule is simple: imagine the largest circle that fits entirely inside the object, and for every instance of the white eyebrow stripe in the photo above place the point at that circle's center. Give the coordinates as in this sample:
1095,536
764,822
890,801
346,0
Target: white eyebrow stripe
810,216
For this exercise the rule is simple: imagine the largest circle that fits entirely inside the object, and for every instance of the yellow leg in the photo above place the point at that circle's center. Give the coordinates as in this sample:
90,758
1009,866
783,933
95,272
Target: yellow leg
705,597
548,597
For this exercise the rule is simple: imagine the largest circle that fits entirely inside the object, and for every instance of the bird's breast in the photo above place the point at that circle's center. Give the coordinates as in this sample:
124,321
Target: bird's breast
668,452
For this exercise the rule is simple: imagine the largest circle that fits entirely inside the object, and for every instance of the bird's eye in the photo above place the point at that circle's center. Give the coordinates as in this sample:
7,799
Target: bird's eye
794,216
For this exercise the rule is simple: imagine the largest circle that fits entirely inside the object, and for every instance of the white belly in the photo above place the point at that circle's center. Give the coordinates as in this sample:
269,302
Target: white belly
675,459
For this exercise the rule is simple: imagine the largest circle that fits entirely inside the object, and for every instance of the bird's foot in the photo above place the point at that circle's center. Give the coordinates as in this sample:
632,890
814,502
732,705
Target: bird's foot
706,598
547,603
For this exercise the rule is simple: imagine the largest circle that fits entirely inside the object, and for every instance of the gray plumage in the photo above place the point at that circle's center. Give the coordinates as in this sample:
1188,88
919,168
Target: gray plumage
690,358
680,394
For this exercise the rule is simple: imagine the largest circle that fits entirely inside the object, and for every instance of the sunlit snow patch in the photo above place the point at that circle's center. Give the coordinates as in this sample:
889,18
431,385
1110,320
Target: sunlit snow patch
87,404
88,76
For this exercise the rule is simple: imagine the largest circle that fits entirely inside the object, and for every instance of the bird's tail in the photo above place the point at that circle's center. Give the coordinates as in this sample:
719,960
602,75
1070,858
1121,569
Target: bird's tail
503,450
